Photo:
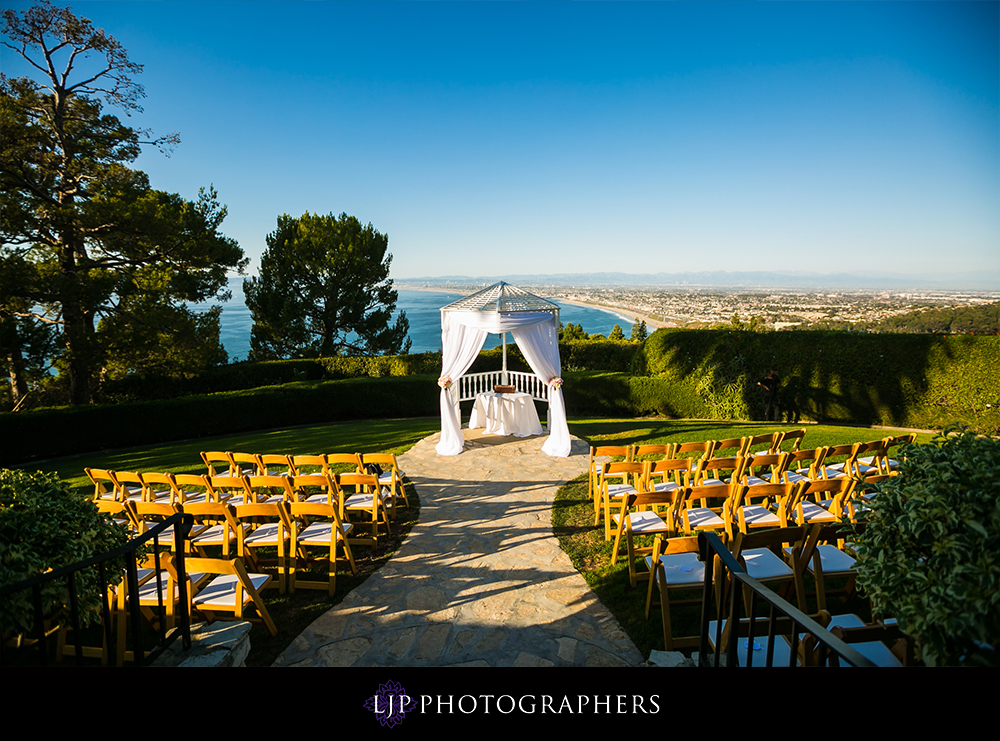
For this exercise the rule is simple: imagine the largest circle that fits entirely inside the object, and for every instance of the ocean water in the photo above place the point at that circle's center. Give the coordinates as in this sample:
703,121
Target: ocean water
423,309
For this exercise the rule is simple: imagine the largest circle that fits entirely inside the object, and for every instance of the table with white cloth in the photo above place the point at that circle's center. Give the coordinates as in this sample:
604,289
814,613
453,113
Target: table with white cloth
505,414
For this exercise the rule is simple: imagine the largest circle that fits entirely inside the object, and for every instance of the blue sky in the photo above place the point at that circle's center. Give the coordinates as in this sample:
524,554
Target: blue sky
583,137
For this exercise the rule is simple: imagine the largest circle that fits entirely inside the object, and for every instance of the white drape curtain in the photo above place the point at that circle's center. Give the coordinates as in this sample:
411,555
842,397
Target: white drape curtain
540,346
460,344
463,334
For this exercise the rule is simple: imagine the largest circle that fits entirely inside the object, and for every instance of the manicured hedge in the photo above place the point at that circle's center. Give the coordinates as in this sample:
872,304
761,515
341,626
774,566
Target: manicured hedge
237,376
622,395
47,433
576,356
923,381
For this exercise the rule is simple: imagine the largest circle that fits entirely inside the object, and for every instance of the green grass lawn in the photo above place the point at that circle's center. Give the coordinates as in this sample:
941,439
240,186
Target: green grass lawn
572,510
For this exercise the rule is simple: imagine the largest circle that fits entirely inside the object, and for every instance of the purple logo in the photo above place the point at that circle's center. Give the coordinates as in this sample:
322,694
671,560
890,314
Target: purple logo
390,704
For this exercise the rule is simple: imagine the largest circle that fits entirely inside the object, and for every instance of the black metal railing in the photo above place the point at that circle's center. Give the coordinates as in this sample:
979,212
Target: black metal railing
731,586
182,526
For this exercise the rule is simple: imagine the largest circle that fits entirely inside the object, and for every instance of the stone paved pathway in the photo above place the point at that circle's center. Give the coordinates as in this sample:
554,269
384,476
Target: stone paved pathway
480,580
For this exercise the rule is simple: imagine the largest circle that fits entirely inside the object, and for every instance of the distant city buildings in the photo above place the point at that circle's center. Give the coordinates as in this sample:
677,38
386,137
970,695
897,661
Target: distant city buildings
777,308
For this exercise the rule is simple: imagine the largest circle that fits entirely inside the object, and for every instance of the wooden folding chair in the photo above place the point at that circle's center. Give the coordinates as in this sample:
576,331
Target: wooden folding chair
638,517
233,590
307,464
629,476
344,463
824,556
275,464
766,468
197,489
804,465
270,527
710,508
674,566
770,439
641,453
733,447
318,525
367,502
391,478
774,557
775,507
219,527
794,437
594,487
106,488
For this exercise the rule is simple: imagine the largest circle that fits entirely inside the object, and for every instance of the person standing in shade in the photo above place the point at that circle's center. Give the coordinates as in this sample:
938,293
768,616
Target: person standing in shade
770,385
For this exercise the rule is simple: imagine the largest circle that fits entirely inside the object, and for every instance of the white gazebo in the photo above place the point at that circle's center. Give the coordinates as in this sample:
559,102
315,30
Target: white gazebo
534,322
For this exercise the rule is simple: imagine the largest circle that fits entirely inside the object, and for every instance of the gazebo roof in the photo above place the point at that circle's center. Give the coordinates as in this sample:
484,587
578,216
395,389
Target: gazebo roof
502,297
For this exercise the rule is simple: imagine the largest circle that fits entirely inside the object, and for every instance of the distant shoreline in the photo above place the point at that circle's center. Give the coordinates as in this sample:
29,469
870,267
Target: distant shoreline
622,313
631,314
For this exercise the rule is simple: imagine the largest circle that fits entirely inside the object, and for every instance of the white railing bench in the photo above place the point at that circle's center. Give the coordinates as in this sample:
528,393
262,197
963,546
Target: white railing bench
468,387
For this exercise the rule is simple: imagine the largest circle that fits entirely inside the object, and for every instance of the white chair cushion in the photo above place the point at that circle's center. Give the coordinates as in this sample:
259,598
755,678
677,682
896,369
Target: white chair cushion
762,564
266,534
758,657
756,515
617,491
665,486
814,513
645,523
702,517
680,569
833,560
875,651
221,591
319,533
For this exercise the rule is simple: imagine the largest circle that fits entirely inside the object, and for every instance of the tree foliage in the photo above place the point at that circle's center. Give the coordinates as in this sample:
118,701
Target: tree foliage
572,332
101,246
929,555
616,334
639,331
324,290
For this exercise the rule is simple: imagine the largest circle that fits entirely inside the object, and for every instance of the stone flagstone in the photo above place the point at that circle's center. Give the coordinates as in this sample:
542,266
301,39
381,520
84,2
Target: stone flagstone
480,580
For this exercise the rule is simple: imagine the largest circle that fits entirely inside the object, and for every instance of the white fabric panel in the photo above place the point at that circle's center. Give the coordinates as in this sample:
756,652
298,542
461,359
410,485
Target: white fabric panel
494,323
540,346
460,344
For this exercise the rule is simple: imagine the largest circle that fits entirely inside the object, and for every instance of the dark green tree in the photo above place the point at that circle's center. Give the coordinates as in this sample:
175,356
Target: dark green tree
616,334
93,229
324,290
639,332
572,332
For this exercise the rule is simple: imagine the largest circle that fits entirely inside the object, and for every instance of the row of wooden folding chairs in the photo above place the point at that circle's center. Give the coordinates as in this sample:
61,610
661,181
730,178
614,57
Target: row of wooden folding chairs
356,497
693,452
863,461
294,529
225,463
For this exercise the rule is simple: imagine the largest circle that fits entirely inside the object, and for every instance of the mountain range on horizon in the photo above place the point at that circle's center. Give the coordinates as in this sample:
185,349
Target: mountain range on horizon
978,281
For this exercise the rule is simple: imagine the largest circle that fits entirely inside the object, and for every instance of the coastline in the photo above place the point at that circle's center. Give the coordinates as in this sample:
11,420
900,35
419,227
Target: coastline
629,315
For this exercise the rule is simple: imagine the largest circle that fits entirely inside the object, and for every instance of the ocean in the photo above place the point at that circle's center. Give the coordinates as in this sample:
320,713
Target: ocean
423,309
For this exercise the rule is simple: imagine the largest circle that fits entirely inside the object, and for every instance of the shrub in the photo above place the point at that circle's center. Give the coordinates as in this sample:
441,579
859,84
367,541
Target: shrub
919,381
930,554
44,526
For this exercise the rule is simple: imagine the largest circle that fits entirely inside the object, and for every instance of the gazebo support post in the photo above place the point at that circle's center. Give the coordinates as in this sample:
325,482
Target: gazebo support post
505,381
